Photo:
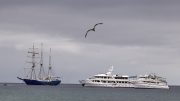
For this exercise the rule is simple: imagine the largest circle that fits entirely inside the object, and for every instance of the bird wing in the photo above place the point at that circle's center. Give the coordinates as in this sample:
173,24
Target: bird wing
97,24
87,32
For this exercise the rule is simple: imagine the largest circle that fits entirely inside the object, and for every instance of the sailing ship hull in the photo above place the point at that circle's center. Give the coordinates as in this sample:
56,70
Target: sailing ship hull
41,82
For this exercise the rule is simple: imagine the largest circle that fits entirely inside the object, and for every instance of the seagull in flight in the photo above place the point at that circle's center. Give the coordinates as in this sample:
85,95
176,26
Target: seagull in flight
93,29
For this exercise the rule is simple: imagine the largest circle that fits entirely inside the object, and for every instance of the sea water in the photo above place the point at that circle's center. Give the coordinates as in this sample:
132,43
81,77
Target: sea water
74,92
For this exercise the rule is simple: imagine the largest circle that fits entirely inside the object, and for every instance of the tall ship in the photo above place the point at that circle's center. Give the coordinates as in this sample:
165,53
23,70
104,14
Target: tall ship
151,81
36,74
108,80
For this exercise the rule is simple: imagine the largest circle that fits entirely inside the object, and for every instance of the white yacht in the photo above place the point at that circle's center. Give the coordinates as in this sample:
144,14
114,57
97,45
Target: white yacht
108,80
151,81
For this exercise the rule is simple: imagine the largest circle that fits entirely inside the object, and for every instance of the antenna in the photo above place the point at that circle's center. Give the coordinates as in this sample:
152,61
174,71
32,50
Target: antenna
110,70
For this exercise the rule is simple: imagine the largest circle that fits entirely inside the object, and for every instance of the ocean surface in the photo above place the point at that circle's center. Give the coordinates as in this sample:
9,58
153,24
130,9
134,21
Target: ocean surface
75,92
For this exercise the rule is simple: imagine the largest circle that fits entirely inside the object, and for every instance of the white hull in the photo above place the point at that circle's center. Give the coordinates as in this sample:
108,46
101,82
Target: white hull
151,86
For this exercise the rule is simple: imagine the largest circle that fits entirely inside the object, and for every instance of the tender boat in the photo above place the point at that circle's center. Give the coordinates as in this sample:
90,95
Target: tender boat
151,81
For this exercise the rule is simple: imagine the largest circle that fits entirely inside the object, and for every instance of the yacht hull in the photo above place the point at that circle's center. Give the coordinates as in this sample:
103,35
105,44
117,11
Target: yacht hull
112,85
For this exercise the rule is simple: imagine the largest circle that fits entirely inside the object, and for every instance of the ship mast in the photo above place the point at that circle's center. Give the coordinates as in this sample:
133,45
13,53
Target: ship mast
41,71
50,67
33,73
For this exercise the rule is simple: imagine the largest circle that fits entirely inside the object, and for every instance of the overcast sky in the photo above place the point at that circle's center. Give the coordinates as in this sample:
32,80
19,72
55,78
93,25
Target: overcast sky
137,37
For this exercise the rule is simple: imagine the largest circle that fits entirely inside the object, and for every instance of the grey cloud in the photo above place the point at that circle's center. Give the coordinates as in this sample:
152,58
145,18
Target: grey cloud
129,21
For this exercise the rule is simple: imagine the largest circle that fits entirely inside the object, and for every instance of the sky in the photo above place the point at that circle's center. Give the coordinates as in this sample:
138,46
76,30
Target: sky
136,37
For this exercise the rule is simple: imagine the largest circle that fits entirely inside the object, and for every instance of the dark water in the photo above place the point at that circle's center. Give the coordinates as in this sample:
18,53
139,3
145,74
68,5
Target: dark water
21,92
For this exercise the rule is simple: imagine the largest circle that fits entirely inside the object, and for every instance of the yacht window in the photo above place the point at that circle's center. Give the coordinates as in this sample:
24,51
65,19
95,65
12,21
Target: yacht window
97,81
103,81
121,77
111,81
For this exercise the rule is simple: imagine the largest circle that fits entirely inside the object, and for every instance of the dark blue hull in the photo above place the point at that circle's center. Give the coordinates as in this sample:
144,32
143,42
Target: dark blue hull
38,82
